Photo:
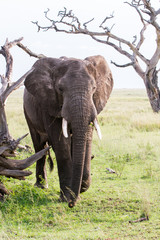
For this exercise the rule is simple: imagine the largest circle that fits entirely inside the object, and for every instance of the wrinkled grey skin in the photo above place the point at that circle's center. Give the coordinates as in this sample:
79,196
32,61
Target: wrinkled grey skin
76,90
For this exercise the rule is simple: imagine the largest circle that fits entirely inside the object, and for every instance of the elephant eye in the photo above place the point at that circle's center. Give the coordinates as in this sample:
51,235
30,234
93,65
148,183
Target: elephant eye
61,89
94,88
60,86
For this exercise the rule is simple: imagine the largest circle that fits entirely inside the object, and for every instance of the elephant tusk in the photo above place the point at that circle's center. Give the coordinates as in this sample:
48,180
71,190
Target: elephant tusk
97,127
64,128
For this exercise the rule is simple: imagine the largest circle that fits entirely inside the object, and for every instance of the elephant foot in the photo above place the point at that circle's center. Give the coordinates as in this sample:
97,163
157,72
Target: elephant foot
73,202
67,197
40,185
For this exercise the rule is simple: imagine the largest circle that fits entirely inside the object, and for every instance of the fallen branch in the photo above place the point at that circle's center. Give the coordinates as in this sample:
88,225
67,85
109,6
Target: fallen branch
139,220
18,174
21,164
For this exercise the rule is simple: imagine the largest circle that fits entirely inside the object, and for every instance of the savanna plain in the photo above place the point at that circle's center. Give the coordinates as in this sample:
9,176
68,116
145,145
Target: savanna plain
130,146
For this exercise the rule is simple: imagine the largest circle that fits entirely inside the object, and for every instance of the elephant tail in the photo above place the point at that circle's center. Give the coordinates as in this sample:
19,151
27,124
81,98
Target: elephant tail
50,161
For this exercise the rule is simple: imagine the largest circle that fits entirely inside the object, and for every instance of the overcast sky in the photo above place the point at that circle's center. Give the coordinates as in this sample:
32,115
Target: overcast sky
15,22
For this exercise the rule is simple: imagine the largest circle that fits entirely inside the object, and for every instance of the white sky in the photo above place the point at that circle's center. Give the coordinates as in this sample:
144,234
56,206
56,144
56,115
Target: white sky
15,22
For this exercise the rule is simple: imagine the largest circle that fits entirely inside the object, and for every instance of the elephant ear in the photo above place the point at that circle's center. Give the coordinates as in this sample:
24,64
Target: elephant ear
103,78
40,84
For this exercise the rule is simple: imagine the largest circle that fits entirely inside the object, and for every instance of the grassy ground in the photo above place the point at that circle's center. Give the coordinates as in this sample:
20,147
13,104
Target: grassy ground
130,146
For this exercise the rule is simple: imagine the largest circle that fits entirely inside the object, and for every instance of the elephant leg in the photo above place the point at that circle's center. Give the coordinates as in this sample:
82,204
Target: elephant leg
41,174
62,149
86,179
39,143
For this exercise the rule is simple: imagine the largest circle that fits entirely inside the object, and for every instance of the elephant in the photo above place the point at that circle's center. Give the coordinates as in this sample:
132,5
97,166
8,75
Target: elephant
62,99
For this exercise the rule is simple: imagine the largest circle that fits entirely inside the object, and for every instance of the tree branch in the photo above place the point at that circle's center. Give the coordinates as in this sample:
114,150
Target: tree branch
7,85
14,86
152,13
124,65
22,164
118,48
28,51
9,60
67,22
75,28
136,5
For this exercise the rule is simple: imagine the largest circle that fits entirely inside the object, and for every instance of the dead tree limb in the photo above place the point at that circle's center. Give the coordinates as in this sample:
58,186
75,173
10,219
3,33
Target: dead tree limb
29,52
6,88
9,60
14,168
21,164
13,86
68,23
139,220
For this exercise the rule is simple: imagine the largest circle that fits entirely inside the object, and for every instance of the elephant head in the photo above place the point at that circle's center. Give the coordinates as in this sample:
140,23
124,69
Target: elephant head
74,92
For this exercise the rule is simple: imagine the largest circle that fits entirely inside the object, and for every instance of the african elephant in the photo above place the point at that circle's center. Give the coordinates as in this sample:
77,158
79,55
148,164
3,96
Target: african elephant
62,99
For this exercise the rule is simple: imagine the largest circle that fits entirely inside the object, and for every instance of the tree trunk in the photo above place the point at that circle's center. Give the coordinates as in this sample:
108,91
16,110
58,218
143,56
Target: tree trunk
151,84
4,132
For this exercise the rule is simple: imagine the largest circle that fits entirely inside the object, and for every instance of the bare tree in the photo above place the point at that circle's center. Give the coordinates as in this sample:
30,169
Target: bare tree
8,145
6,88
69,23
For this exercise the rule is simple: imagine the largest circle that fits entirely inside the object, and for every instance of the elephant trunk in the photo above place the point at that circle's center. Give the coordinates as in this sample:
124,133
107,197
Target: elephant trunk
82,112
79,132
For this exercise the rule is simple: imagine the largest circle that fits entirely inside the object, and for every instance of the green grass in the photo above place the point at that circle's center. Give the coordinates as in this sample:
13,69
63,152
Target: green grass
130,146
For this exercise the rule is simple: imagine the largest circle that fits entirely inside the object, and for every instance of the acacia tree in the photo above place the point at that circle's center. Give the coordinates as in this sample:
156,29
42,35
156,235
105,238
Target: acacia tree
67,22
